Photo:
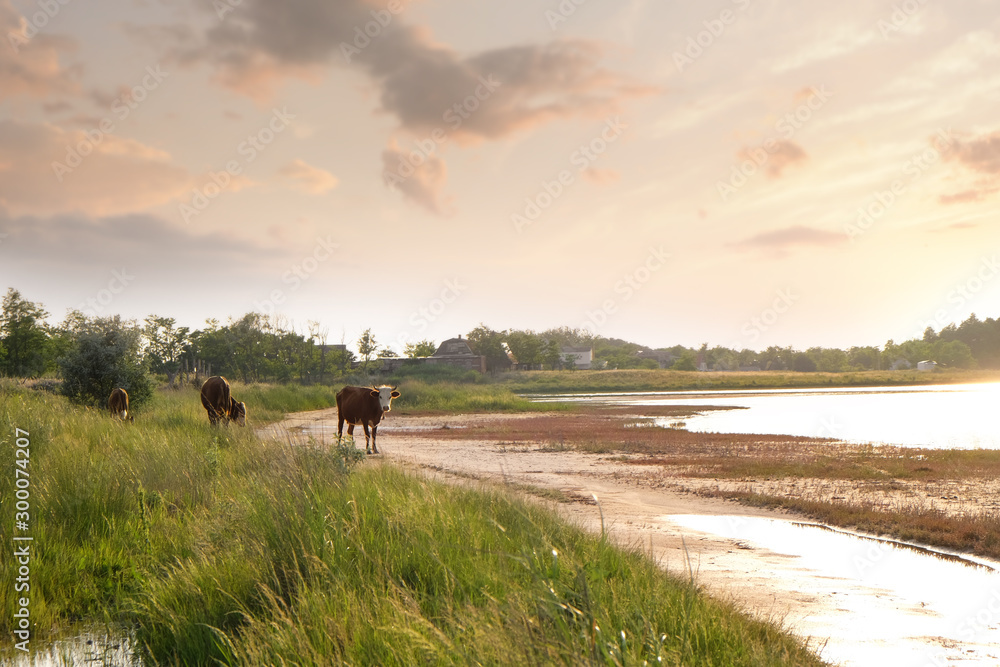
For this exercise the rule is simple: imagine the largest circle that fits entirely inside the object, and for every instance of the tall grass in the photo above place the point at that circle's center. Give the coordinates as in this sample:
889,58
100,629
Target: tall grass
421,397
219,548
269,403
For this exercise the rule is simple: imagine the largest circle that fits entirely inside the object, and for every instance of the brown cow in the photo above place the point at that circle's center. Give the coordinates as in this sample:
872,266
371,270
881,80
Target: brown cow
118,404
365,406
220,404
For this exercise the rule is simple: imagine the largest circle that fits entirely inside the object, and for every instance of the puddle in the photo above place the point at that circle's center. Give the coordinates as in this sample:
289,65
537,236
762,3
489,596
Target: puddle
888,603
97,649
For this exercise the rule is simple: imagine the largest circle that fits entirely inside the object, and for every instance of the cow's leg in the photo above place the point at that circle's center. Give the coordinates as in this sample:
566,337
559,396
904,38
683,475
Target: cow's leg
374,429
368,449
350,432
340,428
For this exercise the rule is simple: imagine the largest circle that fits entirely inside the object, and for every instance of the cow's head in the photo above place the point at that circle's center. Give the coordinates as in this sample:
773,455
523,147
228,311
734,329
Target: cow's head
385,395
238,412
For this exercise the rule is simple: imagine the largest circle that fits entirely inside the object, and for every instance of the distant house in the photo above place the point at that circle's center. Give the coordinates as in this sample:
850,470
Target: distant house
926,365
579,357
452,352
456,352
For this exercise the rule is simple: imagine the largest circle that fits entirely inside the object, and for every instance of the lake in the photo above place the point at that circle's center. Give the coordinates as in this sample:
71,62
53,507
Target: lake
955,416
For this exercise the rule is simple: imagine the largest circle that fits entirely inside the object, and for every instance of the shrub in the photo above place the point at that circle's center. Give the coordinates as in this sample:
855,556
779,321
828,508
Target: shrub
106,353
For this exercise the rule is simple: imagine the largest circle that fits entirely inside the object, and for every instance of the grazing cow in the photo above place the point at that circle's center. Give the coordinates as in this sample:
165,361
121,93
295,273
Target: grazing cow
220,404
118,404
365,406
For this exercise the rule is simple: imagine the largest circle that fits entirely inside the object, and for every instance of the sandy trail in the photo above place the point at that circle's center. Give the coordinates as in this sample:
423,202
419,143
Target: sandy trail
834,614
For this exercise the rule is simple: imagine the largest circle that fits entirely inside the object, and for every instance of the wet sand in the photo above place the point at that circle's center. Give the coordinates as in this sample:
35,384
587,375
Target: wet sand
845,619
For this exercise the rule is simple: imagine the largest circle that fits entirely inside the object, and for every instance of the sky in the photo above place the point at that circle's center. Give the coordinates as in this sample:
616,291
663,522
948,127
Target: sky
742,173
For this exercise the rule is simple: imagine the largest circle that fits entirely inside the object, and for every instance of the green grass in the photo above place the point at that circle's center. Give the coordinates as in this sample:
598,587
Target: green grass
450,398
219,548
268,403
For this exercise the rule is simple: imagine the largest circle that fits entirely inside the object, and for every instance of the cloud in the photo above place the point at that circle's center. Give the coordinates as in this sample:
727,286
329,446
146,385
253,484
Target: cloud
488,94
73,241
427,86
968,196
112,175
781,241
602,176
69,259
29,58
835,43
981,154
422,184
309,178
774,155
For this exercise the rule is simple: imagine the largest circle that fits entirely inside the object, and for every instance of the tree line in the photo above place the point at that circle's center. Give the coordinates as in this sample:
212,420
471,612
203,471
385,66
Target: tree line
266,348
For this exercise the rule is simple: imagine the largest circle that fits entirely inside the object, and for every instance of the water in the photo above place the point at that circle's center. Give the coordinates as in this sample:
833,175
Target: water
893,604
98,648
934,416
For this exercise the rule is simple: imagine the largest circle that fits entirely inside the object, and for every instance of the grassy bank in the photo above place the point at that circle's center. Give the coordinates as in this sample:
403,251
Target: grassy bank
219,548
667,380
267,403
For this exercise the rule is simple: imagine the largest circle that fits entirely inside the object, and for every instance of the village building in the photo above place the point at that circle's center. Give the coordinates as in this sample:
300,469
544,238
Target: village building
578,357
456,352
452,352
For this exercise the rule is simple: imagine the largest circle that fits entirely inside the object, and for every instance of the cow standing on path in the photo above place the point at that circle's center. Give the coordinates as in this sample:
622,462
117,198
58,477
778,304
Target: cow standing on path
365,406
118,404
220,404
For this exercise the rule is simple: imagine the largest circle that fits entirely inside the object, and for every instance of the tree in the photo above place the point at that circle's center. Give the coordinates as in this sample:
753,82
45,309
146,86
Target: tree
367,346
106,353
826,359
686,362
489,343
864,358
551,354
803,363
165,345
526,346
23,335
424,348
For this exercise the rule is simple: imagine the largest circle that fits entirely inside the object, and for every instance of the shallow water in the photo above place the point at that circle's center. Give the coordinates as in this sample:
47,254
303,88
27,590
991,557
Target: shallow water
894,605
961,416
92,648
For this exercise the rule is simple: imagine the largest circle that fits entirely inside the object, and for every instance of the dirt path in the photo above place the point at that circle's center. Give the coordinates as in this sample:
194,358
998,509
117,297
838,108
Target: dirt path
833,613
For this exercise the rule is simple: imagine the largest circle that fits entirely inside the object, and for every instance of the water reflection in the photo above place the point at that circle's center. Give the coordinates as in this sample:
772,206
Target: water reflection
93,648
889,603
958,416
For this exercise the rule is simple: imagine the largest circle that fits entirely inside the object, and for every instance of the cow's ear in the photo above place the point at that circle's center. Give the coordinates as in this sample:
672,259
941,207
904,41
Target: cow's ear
374,392
395,394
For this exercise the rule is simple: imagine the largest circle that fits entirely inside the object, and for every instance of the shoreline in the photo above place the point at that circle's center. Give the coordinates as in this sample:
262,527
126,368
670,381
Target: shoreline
637,505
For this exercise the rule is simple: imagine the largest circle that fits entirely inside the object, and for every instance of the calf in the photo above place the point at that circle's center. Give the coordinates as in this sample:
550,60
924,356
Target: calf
365,406
220,404
118,404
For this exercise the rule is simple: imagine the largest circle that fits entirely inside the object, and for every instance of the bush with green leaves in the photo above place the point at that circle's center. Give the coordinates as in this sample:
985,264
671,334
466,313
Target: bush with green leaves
106,353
